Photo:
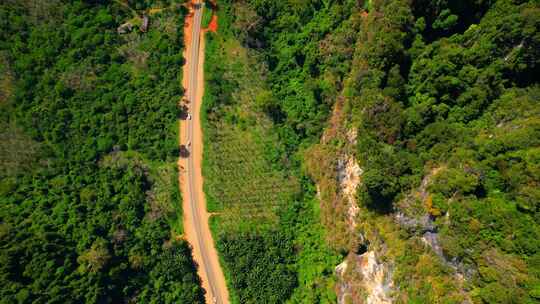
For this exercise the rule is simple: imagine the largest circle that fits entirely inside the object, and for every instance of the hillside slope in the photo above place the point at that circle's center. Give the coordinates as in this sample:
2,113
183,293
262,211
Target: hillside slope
419,123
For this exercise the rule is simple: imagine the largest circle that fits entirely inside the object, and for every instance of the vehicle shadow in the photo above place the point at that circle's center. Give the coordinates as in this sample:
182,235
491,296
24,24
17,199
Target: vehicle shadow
183,151
183,112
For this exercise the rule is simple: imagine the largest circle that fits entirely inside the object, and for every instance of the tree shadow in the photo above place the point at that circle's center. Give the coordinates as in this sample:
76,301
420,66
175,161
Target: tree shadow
381,204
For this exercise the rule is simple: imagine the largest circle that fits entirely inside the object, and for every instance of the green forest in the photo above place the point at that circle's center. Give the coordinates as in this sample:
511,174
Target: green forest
267,228
88,183
445,100
437,102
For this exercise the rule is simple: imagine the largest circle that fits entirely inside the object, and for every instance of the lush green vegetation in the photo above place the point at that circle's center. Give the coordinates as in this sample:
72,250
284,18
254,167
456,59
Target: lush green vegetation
238,167
88,184
207,14
267,230
444,92
239,176
443,96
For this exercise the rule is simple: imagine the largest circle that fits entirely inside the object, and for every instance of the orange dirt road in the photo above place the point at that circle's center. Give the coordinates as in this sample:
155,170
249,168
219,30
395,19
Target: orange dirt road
196,229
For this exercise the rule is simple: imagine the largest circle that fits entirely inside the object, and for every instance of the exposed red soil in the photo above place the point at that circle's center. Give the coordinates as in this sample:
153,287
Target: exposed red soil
213,26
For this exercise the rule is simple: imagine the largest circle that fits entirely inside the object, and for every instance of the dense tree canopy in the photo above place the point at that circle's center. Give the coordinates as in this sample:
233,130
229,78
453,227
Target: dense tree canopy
443,97
431,86
87,216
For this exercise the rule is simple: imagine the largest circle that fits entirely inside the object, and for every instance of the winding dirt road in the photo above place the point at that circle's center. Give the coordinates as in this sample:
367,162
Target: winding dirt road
196,228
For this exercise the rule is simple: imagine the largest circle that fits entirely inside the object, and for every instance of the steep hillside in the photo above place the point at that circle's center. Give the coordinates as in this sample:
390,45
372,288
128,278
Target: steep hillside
419,123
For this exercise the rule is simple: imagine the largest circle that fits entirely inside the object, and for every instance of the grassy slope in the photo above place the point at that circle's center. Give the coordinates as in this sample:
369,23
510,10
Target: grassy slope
237,166
243,179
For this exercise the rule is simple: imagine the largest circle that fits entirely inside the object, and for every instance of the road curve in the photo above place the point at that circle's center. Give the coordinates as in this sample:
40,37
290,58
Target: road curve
196,218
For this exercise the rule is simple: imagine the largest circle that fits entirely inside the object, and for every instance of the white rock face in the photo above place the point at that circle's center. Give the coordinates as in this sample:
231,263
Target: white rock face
348,175
377,279
352,134
343,288
368,281
361,278
341,268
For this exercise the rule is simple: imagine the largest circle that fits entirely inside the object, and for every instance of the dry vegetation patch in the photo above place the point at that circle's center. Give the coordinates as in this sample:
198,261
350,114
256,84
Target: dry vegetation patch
18,151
